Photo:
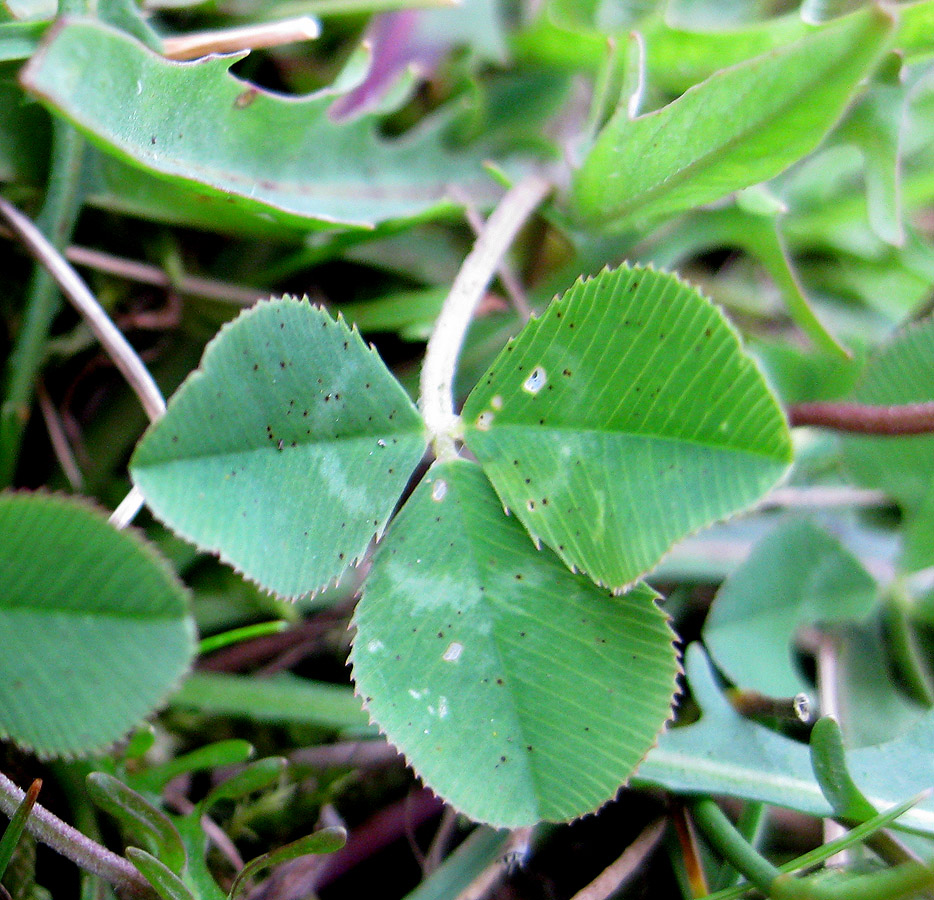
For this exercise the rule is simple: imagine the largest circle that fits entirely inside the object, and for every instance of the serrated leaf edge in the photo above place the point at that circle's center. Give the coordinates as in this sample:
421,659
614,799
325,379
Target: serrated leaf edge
199,373
677,691
431,126
152,552
734,333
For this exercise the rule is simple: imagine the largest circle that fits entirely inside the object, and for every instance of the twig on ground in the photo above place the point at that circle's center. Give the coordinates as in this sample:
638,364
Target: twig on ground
125,358
824,496
517,848
439,842
247,37
128,509
71,843
356,754
612,878
298,879
58,438
828,684
145,273
76,291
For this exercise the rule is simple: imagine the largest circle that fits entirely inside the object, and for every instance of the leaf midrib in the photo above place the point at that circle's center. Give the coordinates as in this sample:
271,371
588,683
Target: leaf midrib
268,447
539,430
142,616
477,568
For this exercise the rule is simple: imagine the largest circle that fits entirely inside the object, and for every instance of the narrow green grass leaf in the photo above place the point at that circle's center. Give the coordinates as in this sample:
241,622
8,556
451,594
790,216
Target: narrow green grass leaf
255,777
14,829
796,576
741,126
236,635
478,851
822,853
327,840
24,137
194,122
282,699
214,756
93,625
900,372
625,418
286,452
518,691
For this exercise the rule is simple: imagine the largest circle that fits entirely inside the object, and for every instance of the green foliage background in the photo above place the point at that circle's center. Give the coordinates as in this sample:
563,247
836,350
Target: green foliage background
738,225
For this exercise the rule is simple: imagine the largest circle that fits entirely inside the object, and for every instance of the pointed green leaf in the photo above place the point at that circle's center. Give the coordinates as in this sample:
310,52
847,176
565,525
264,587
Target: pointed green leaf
327,840
285,698
797,576
902,371
165,882
139,816
213,756
196,123
93,625
286,452
741,126
518,691
254,777
625,418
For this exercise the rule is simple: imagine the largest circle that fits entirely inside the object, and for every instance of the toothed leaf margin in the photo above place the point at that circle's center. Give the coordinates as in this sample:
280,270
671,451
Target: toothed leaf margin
94,626
286,452
625,418
518,691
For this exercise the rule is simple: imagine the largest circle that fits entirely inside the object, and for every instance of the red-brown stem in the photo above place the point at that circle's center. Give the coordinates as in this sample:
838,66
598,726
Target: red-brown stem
693,868
908,418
